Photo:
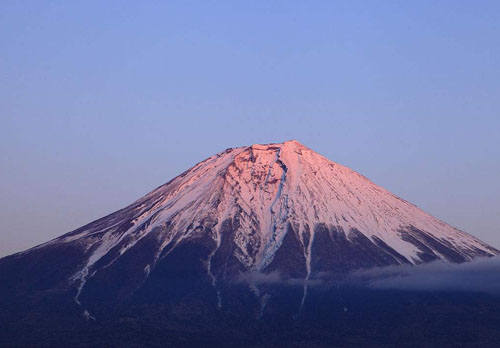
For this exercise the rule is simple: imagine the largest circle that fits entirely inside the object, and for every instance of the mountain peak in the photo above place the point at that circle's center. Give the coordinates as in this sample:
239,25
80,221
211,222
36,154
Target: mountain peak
294,143
285,145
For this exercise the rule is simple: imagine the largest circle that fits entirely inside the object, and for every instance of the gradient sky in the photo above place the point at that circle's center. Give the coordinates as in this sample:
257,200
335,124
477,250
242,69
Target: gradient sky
100,102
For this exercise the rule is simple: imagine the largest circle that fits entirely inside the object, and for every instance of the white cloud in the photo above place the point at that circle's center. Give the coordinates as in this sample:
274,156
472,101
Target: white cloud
480,275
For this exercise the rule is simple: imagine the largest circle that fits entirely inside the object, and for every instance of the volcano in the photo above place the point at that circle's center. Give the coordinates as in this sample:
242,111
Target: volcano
222,233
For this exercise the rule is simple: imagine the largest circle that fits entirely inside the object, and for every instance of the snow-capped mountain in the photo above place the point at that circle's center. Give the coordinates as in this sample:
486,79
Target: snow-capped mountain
260,209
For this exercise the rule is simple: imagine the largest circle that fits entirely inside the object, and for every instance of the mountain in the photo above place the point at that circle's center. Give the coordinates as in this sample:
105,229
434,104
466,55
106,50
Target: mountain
221,238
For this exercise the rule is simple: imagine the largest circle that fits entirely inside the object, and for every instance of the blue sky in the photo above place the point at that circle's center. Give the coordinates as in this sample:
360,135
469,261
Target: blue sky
100,102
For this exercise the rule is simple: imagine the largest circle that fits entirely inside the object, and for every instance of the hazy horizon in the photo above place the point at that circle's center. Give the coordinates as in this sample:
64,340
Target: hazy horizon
101,104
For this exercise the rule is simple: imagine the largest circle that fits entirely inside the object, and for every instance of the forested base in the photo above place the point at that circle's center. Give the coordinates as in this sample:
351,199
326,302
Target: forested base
345,317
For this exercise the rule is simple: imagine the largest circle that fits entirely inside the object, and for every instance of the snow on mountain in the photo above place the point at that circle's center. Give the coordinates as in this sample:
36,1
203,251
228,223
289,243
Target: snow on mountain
269,207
